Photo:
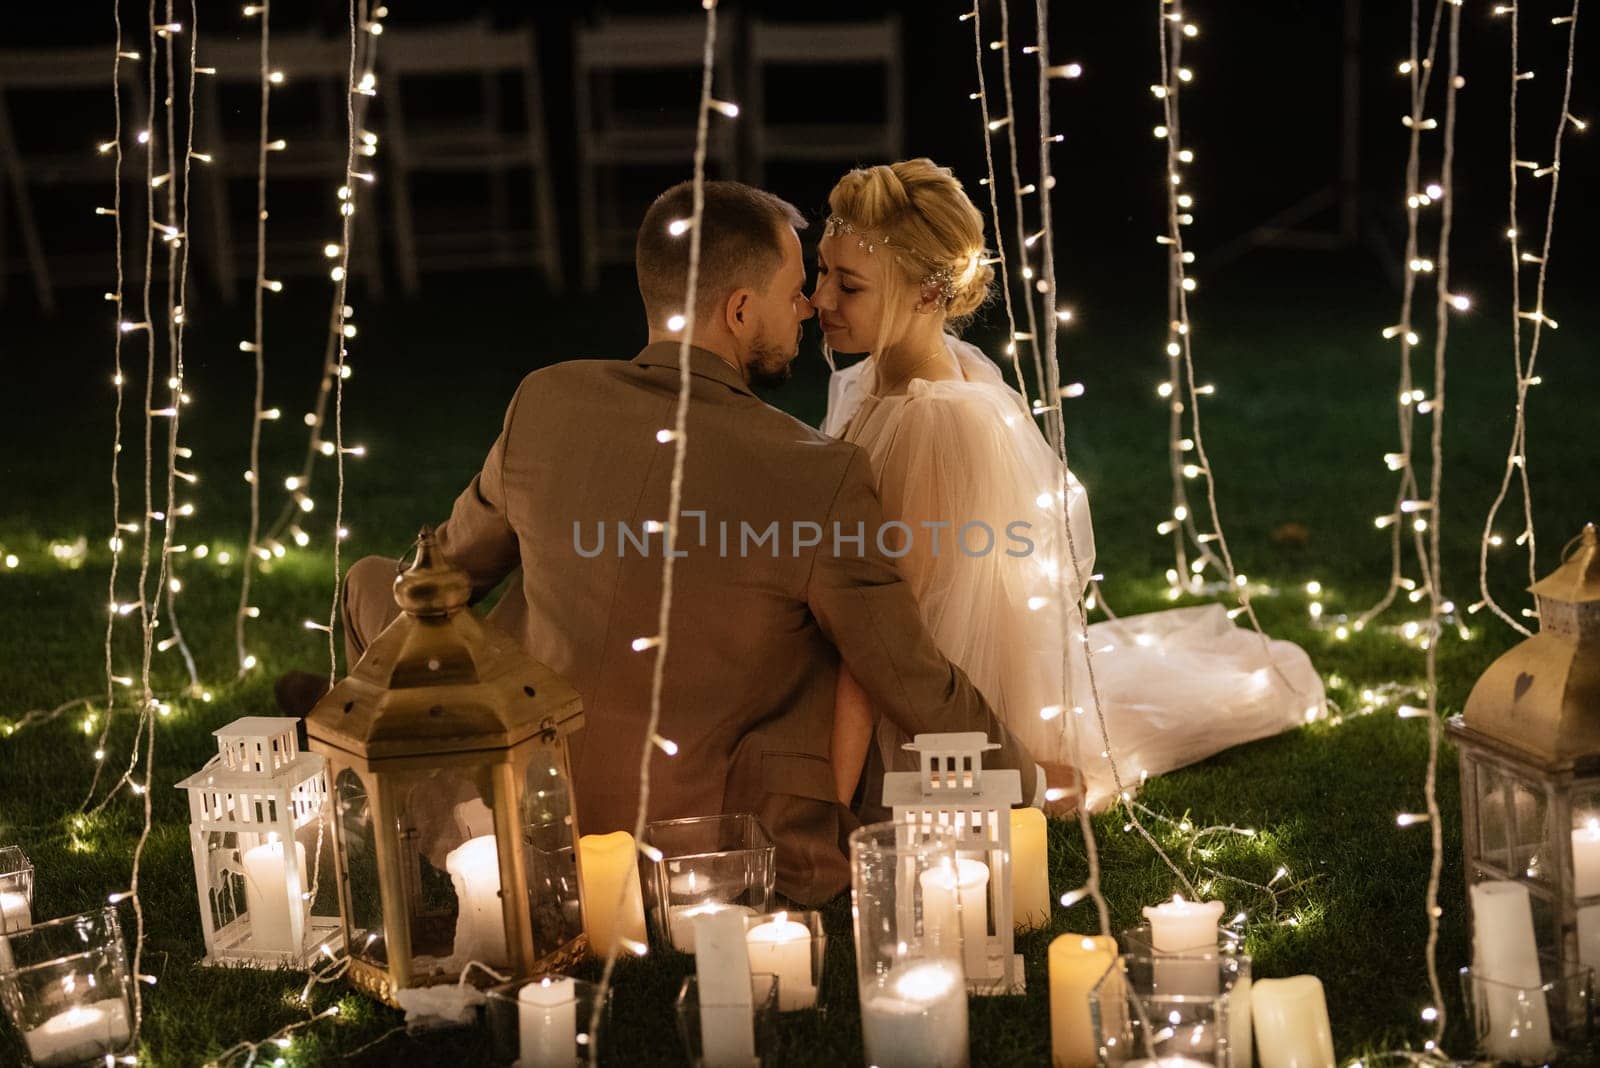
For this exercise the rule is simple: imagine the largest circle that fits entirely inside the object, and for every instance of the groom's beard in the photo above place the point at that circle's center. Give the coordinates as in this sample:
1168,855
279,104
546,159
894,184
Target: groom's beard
770,366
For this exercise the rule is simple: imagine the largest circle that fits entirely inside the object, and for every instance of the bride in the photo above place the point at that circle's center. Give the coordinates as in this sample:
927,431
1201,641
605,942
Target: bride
961,464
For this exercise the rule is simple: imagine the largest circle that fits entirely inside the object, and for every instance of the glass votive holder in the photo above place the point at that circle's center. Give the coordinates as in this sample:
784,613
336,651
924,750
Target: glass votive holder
1204,973
706,864
65,985
792,946
909,968
714,1035
1531,1024
16,889
1174,1009
542,1023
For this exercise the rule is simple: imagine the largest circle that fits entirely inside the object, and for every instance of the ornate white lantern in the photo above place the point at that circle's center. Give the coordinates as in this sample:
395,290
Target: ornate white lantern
263,847
953,791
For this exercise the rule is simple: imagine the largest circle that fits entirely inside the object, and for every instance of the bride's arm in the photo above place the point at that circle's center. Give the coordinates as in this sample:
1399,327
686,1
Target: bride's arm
853,723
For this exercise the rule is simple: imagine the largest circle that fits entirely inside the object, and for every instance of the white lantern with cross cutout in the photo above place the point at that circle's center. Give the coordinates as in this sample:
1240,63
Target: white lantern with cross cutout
951,789
263,847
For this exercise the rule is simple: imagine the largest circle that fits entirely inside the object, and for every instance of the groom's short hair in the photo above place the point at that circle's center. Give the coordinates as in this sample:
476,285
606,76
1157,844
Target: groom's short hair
741,244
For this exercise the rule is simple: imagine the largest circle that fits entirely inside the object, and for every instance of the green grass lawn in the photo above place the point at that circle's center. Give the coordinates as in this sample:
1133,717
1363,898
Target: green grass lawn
1297,430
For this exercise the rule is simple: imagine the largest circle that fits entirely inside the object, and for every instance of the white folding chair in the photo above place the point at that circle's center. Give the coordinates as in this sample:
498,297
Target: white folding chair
314,68
48,71
472,144
615,135
824,46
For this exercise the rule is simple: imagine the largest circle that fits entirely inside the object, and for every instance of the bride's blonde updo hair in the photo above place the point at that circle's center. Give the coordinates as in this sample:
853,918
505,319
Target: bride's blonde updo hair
927,224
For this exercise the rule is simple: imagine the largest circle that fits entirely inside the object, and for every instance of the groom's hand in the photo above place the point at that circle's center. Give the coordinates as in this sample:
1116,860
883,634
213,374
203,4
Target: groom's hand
1061,790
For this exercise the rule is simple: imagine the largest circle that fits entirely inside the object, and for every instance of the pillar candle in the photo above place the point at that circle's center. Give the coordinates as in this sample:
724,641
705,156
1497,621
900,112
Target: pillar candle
547,1023
81,1033
917,1018
266,895
783,947
1077,963
955,903
1586,881
15,912
474,868
680,921
1291,1023
722,967
608,870
1179,925
1505,954
1030,875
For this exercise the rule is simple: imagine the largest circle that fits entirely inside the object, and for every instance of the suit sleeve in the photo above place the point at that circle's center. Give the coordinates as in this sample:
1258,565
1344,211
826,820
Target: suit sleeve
868,611
478,536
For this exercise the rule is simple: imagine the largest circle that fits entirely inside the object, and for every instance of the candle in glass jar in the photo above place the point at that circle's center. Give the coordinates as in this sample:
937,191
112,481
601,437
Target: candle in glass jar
83,1032
15,912
1077,963
1030,875
1586,882
917,1018
680,920
266,895
474,868
547,1023
1505,955
955,904
1291,1023
783,947
608,881
1179,925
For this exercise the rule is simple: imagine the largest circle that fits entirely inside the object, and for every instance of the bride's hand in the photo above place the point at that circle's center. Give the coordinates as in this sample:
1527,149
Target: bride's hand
1061,783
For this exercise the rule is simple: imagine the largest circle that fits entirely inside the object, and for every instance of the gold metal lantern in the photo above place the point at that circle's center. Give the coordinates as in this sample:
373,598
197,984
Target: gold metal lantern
1530,764
454,820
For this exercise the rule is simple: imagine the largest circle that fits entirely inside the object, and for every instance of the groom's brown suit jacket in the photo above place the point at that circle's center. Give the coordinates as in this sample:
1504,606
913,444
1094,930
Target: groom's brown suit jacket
757,628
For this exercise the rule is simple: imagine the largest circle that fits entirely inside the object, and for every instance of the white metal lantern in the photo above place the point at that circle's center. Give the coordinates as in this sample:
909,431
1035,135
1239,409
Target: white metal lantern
262,847
952,790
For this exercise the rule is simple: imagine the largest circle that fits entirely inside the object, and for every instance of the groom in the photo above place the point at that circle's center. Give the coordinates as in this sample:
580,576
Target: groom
778,571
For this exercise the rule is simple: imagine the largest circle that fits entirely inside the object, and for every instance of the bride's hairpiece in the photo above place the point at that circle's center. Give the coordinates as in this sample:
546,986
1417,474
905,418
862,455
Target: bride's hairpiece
941,278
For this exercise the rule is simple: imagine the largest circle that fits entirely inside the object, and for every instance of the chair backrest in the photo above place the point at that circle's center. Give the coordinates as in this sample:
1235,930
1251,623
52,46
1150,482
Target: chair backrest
825,44
299,56
618,43
463,48
64,68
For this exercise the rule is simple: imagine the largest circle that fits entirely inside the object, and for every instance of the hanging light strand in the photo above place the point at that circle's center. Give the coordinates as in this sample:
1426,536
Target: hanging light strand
364,90
1419,71
177,241
994,195
1052,417
259,344
341,277
1517,452
1170,34
117,378
679,438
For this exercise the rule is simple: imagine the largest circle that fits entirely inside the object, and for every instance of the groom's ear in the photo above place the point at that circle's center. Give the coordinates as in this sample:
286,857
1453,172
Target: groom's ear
738,310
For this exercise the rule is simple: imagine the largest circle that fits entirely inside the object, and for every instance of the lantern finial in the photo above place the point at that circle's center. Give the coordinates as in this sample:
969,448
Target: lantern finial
1578,577
432,585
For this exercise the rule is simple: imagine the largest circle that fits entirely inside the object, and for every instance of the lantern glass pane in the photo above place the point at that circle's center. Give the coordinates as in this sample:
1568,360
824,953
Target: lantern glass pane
1494,838
1530,842
549,851
449,868
353,809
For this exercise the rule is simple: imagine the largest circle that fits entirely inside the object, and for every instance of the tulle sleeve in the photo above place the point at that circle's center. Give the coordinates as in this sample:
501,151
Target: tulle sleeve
968,471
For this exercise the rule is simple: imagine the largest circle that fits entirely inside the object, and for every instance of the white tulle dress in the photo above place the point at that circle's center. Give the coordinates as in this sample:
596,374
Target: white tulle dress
1175,686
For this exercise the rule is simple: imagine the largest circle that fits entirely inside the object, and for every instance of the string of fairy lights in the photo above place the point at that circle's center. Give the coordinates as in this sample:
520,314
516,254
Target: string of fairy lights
1526,378
1420,513
341,327
682,324
258,344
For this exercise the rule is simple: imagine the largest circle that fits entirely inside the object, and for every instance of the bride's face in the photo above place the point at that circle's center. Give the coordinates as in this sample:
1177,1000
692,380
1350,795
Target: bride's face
849,296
